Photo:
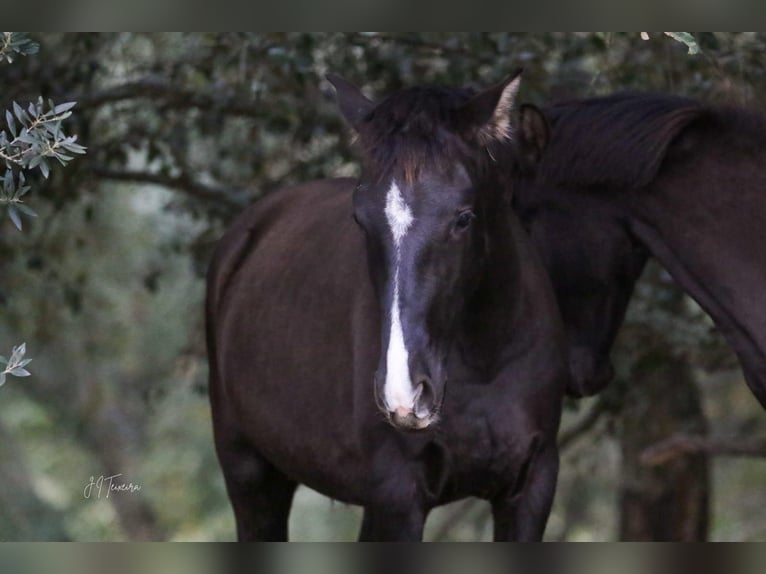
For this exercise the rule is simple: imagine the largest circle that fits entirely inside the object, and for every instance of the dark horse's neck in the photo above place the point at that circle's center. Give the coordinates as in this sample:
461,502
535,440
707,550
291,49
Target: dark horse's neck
704,218
717,259
493,326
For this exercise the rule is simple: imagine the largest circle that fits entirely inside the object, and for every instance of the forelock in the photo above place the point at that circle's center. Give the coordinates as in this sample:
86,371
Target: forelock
413,129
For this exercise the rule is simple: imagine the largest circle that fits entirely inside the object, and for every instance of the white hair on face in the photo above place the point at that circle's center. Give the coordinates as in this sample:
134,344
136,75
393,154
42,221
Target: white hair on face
398,390
398,214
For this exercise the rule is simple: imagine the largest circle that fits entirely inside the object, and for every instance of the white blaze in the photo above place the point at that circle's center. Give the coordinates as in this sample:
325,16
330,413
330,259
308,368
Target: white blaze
398,388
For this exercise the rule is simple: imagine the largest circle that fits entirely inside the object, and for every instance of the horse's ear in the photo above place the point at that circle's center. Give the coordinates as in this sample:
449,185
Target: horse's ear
534,134
487,116
354,105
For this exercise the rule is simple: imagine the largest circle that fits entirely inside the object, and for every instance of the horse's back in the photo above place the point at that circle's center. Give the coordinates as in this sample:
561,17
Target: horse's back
264,216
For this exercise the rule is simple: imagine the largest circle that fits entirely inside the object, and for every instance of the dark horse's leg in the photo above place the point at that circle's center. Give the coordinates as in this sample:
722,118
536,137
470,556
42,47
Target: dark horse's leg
388,524
400,484
522,513
260,494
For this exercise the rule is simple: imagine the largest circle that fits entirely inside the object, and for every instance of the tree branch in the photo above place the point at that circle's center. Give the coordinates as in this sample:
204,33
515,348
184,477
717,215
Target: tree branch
172,96
228,200
683,444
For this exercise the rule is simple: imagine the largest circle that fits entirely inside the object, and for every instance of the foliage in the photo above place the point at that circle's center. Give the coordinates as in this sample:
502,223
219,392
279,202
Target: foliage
12,43
15,364
11,195
685,38
39,140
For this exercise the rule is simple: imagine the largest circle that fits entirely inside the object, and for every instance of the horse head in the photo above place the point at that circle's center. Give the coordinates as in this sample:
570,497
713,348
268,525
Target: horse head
425,201
566,205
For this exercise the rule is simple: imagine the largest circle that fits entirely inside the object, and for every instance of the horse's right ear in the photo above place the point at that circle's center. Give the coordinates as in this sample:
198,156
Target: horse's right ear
354,105
534,134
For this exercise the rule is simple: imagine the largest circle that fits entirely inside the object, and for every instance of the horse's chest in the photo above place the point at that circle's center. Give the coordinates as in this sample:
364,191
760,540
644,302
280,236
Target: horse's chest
482,453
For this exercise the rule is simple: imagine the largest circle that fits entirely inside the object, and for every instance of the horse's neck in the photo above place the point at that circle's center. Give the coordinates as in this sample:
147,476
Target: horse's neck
500,292
709,235
512,304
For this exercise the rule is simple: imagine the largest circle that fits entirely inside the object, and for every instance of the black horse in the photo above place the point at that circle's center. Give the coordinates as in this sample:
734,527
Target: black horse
329,338
633,175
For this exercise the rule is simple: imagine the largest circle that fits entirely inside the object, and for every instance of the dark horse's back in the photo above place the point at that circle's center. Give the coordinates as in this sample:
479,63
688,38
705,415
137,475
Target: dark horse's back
267,343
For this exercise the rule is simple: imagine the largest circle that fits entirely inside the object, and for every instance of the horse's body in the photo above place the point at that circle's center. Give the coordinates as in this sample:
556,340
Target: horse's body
296,335
629,176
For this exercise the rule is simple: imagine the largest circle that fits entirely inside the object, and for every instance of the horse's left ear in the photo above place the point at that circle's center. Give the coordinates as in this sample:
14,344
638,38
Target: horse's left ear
354,105
487,116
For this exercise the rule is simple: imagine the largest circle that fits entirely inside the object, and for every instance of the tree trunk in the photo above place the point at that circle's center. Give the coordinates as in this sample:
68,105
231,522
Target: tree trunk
668,501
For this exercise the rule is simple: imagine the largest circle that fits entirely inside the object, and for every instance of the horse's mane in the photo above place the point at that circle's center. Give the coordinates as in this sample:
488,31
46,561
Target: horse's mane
618,140
414,127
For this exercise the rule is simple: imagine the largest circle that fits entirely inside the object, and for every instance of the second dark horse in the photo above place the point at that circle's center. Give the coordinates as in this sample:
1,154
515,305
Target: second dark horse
391,342
631,175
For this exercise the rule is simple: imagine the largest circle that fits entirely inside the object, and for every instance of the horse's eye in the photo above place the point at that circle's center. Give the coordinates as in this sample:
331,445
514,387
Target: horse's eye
464,219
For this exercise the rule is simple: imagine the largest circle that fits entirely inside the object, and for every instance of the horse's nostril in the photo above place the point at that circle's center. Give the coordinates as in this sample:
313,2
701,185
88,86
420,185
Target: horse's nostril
418,393
424,394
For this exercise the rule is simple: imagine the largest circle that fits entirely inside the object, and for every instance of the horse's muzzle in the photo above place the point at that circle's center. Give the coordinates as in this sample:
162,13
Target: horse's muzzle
405,419
418,413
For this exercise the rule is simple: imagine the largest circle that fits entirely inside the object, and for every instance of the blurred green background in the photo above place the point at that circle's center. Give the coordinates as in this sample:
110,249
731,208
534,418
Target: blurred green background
184,130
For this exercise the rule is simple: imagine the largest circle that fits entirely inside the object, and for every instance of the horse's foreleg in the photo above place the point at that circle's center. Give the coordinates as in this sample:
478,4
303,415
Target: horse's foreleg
260,494
521,515
396,507
382,524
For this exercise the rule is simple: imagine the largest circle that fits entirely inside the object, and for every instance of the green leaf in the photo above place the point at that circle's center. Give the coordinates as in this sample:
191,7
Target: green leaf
25,209
18,353
19,43
64,107
13,213
27,137
74,147
17,109
20,372
10,122
35,161
687,39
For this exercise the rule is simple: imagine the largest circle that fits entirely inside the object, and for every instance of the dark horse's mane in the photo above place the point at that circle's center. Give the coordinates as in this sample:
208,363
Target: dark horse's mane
622,139
415,127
